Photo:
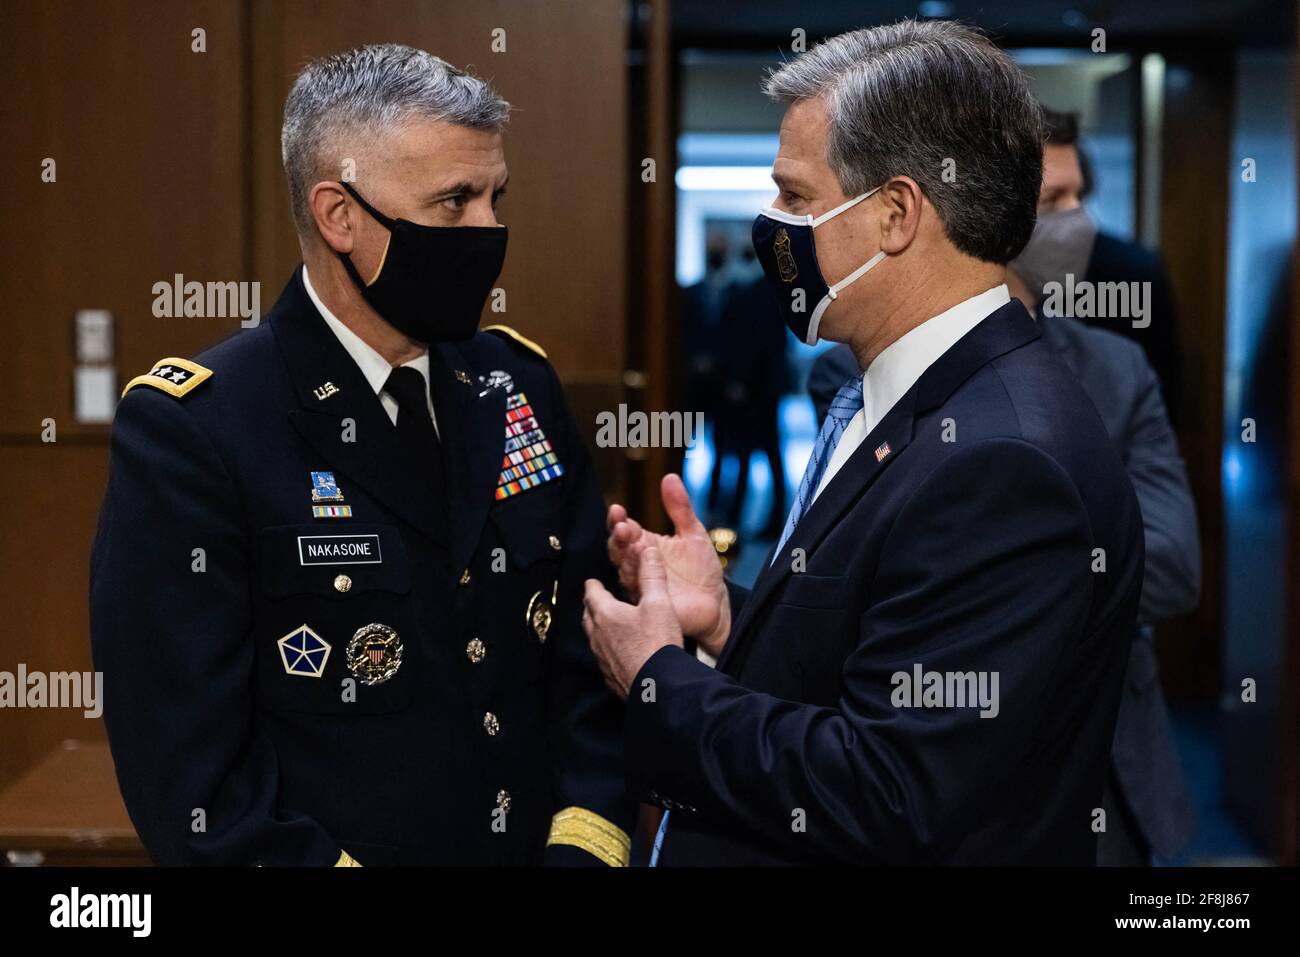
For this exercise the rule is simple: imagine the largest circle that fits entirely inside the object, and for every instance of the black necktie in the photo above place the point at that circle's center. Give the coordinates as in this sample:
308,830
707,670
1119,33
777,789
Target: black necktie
415,429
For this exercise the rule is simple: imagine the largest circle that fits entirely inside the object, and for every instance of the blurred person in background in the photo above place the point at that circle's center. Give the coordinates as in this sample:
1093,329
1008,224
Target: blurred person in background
701,320
751,367
1067,240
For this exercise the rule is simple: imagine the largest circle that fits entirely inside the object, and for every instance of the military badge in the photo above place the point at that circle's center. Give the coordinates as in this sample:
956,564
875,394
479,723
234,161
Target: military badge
541,612
324,488
374,654
529,460
331,511
303,652
496,379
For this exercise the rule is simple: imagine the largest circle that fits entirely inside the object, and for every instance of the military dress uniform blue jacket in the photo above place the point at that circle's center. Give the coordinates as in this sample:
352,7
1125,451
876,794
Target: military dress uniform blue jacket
310,659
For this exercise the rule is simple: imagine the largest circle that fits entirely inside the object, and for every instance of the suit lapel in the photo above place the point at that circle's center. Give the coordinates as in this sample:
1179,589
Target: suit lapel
880,449
332,393
1008,328
472,428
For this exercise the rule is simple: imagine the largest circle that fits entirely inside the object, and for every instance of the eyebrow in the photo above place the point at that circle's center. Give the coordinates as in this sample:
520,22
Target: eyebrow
459,189
786,183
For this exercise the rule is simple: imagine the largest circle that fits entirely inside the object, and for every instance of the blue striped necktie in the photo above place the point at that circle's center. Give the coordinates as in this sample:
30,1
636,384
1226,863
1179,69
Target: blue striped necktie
846,404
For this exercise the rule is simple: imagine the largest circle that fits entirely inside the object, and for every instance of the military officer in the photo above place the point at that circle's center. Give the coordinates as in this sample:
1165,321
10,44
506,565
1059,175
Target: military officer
336,583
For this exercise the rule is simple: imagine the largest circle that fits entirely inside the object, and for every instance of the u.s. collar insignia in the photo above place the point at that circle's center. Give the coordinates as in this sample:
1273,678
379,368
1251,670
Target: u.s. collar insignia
529,459
304,653
496,379
374,654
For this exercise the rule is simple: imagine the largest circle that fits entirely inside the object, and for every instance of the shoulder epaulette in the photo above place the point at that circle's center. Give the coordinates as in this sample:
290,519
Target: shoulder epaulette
173,376
522,340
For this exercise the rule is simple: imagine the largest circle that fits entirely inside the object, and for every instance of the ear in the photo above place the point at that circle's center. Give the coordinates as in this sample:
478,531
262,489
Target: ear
329,208
900,217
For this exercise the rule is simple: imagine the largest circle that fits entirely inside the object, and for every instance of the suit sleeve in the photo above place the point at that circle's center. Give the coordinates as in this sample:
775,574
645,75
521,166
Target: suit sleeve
1172,581
170,629
594,816
878,783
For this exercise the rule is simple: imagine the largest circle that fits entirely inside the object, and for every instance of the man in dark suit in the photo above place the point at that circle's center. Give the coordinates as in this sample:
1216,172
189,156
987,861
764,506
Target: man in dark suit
1067,240
752,374
335,586
928,670
1148,810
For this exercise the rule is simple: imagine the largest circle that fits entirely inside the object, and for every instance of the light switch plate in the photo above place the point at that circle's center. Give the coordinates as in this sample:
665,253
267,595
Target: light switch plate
96,393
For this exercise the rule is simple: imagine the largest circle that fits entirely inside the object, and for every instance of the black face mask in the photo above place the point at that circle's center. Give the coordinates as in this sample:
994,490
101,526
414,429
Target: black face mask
432,281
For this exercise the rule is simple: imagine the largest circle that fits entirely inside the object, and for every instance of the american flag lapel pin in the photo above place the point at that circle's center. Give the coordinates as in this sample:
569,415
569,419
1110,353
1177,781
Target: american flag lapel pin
882,451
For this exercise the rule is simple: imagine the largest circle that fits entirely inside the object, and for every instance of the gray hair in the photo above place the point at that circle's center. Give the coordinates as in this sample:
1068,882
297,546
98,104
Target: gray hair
367,91
939,102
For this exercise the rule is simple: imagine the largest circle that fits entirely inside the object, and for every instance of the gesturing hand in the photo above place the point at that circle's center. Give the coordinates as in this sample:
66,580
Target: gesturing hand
692,569
623,636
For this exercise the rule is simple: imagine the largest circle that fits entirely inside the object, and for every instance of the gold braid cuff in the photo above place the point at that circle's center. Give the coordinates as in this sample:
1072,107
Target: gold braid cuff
346,860
590,832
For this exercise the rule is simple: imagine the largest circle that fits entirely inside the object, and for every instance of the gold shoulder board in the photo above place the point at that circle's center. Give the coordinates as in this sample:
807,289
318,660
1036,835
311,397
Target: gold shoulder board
522,340
173,376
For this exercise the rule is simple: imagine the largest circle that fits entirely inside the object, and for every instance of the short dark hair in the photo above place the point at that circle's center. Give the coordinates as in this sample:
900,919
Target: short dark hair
1063,130
939,102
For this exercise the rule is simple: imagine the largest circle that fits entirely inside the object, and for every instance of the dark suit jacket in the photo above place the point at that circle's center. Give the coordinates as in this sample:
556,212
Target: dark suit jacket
967,556
1121,384
1118,260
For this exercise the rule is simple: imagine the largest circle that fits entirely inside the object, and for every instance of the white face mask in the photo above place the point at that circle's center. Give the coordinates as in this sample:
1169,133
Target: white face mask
785,247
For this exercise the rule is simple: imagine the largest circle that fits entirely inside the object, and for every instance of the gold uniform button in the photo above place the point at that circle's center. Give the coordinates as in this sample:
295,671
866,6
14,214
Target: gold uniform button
342,583
555,542
475,651
503,800
490,724
464,577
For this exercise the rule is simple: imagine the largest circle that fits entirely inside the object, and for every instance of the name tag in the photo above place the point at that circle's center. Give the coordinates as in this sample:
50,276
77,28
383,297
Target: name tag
339,550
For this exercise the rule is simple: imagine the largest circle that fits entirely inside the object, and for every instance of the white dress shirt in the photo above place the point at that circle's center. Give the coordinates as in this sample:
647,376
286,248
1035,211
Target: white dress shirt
902,363
373,366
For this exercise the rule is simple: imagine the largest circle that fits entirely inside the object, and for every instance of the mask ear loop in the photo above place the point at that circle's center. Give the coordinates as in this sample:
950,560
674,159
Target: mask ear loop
833,291
375,214
842,207
382,220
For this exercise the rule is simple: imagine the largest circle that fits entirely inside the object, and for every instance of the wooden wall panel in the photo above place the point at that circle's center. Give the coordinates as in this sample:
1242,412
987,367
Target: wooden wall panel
51,495
1194,244
148,138
149,142
563,70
